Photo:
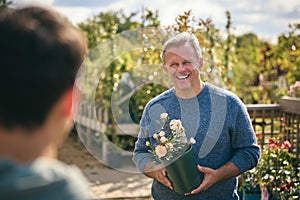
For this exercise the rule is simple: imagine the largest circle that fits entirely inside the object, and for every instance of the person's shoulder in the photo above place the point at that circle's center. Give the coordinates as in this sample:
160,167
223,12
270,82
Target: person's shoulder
58,172
215,90
221,92
43,179
67,179
56,169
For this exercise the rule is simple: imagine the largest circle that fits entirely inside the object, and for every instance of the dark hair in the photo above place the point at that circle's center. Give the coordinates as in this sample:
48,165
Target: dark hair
40,54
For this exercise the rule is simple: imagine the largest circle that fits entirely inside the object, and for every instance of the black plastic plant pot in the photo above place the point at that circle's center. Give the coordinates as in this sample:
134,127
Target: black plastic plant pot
183,172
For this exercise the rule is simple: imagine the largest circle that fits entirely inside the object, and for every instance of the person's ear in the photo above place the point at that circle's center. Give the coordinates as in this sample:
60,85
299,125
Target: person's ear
67,102
201,64
164,67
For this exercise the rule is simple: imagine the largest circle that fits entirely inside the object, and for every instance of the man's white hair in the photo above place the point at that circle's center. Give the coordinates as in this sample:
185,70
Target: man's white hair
180,40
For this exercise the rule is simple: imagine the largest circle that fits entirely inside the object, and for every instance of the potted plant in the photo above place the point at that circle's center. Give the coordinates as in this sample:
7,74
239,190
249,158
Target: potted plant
275,171
171,148
291,103
295,89
250,189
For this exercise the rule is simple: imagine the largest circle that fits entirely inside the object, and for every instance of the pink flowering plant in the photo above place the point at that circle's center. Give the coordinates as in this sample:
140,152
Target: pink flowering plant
275,170
170,141
295,89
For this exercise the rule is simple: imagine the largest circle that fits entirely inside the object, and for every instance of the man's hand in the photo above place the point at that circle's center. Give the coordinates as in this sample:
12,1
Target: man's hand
212,176
158,172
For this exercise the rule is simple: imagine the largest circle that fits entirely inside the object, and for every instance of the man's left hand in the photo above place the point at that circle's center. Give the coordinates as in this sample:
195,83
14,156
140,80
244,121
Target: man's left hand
210,178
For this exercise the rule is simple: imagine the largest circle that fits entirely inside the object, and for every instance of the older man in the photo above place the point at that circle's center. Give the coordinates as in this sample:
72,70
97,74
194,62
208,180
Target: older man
225,141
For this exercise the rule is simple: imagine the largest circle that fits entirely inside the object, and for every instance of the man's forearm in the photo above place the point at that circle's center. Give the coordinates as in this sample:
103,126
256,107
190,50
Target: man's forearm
150,169
157,172
227,171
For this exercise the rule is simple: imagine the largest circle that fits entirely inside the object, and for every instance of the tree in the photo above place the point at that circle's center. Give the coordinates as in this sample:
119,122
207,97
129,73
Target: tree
229,55
224,58
287,53
101,27
281,61
248,56
4,4
106,33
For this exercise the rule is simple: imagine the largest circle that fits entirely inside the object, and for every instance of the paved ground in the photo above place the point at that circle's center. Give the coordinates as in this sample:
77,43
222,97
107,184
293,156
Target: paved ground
112,184
105,183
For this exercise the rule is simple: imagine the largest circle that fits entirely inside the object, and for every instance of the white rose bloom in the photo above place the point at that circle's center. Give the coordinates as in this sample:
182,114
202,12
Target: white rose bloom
163,139
183,140
164,116
162,133
169,146
192,140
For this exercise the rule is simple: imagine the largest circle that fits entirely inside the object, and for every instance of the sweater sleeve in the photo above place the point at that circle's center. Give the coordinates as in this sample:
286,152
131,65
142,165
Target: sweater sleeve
246,151
141,154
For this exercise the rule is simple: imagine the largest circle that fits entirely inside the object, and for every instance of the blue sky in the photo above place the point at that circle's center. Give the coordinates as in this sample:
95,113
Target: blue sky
266,18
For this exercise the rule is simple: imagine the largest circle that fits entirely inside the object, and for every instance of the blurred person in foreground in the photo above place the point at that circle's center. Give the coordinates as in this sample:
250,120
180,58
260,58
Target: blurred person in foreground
225,145
40,53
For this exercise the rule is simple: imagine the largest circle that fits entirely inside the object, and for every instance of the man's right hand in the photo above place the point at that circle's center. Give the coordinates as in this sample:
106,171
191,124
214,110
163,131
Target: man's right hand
158,172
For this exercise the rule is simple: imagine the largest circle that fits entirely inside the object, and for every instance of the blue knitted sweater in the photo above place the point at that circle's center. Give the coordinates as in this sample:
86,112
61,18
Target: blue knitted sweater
219,122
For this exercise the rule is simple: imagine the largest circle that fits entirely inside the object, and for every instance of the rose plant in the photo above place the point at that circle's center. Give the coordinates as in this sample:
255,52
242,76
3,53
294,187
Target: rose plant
170,141
172,149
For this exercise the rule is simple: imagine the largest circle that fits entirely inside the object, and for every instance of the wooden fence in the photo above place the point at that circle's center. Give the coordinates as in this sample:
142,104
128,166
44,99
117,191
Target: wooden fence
268,120
282,120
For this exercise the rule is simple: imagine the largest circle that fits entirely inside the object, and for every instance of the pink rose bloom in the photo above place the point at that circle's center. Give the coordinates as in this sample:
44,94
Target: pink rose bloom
148,144
163,140
286,145
273,146
160,151
155,136
162,133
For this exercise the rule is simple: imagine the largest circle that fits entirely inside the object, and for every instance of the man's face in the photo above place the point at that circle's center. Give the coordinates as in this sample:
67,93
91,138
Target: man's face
183,68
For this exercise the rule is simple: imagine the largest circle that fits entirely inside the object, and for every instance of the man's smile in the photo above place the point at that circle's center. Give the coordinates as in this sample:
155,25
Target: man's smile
183,77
